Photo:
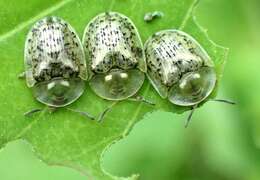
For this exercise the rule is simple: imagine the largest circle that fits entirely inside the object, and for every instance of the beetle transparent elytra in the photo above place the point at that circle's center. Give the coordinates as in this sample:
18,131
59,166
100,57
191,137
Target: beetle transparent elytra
115,57
55,66
179,68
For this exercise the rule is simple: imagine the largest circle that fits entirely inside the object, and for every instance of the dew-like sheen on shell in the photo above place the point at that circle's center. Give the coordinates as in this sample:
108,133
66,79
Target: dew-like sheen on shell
179,68
55,64
115,56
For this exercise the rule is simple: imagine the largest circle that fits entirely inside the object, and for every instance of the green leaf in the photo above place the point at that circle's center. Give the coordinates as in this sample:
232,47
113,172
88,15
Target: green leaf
65,138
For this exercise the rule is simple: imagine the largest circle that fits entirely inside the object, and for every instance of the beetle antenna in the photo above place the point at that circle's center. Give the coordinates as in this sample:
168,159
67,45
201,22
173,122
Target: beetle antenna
29,113
139,98
190,116
224,101
83,113
102,115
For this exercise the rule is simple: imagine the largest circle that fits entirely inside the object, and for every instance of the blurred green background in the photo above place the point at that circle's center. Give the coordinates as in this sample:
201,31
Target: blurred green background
222,142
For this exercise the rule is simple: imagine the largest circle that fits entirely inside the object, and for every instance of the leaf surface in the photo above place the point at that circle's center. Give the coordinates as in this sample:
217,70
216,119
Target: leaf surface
65,138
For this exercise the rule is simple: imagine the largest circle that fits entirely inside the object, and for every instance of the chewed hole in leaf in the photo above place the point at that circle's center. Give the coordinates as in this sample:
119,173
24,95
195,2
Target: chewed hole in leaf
64,137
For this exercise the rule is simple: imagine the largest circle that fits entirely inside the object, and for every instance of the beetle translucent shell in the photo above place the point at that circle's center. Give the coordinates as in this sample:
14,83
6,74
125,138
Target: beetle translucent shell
55,63
114,53
179,68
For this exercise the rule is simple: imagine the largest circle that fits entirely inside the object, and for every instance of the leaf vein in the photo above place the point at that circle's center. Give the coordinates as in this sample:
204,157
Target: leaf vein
188,14
24,24
29,126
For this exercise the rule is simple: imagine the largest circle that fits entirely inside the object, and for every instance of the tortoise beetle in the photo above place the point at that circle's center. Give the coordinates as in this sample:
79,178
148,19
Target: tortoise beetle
115,57
180,69
55,66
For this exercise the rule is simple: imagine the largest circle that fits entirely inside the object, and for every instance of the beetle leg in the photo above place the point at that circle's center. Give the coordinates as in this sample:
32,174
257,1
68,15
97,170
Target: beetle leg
29,113
83,113
224,101
190,115
141,99
21,75
102,115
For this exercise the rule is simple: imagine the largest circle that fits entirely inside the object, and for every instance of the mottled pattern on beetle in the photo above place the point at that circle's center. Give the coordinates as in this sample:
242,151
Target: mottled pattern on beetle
112,41
170,55
53,50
